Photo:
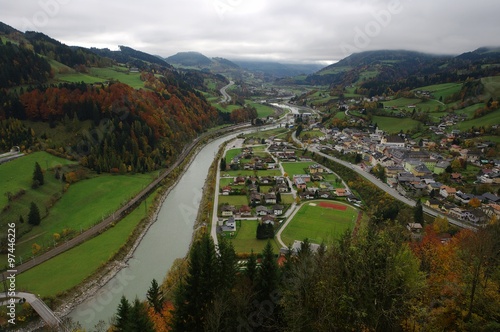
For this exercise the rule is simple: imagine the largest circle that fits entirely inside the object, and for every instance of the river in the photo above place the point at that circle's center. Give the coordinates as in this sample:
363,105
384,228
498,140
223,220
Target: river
167,239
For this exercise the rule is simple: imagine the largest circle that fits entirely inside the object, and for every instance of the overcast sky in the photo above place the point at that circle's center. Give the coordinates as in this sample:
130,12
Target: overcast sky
284,30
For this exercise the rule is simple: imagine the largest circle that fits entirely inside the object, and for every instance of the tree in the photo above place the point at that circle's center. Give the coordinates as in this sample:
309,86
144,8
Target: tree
193,297
34,215
223,164
268,274
278,197
123,316
251,267
475,202
139,318
155,296
418,212
298,130
37,176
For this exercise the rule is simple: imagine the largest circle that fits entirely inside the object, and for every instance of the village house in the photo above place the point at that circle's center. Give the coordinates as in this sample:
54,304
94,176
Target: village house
415,229
229,225
278,209
455,213
227,210
446,191
226,190
261,210
268,219
393,141
281,188
255,197
270,198
315,168
245,211
305,177
433,203
341,192
463,197
239,180
300,183
476,216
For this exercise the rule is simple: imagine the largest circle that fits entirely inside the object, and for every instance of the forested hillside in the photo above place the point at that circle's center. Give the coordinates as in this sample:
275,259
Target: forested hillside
116,128
19,65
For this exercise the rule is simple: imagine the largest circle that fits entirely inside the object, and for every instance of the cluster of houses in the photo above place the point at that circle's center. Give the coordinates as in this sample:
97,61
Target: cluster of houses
413,168
256,162
267,206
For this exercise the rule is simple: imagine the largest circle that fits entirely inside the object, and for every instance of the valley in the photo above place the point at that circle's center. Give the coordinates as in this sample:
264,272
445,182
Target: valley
168,168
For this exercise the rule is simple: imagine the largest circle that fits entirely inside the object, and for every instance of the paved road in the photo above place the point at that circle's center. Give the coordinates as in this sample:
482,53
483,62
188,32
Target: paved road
225,96
40,307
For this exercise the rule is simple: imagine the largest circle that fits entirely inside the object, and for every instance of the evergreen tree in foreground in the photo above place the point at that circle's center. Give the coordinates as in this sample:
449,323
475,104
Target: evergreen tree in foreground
154,296
132,318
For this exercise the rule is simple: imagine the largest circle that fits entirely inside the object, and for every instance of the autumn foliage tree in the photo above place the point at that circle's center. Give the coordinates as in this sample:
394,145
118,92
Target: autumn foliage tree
131,130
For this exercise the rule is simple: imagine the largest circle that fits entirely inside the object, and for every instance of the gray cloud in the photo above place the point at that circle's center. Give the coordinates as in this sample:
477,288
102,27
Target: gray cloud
285,30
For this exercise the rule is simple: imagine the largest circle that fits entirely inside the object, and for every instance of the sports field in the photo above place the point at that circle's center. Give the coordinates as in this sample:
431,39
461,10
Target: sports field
320,221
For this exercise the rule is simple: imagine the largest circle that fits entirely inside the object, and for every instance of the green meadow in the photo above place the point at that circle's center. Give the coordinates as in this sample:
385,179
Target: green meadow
68,266
245,238
296,168
74,209
394,125
319,224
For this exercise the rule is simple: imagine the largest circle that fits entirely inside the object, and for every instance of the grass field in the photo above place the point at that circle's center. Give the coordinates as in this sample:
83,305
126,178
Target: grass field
487,120
401,102
227,108
241,172
263,111
287,199
296,168
245,239
230,154
319,224
442,90
18,173
268,133
119,74
83,205
236,200
311,134
72,267
394,125
102,74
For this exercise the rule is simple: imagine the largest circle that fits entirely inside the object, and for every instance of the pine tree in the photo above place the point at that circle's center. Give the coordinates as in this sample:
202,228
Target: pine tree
139,318
268,273
123,316
223,164
418,212
34,215
198,290
37,176
251,267
155,297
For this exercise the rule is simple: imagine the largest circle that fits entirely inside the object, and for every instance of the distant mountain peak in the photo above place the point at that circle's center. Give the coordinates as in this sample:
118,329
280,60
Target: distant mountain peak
190,58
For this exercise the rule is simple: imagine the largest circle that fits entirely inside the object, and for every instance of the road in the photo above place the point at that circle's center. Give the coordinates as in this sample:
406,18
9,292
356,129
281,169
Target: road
226,98
40,307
